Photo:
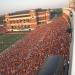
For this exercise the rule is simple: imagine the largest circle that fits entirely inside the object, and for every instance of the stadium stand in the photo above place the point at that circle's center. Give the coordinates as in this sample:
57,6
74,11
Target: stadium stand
26,56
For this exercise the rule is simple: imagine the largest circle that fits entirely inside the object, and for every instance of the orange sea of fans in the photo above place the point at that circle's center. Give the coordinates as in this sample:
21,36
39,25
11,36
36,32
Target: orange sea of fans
26,56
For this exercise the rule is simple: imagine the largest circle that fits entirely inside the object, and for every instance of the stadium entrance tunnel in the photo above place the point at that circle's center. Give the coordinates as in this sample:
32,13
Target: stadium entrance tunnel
53,65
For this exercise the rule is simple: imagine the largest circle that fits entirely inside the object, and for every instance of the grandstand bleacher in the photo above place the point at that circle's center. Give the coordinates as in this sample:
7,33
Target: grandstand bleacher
26,56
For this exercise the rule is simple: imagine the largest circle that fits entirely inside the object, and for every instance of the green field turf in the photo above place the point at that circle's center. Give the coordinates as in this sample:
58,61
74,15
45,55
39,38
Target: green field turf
8,39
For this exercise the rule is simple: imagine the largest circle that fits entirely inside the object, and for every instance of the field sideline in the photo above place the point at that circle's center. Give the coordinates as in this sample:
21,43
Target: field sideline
6,40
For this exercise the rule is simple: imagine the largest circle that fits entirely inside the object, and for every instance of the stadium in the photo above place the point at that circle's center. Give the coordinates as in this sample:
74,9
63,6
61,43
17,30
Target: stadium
26,56
36,42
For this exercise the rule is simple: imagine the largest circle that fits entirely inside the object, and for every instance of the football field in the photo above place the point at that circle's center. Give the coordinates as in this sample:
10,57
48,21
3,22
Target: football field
6,40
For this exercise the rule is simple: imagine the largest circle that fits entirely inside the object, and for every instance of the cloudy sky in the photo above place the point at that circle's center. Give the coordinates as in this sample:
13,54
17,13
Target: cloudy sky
15,5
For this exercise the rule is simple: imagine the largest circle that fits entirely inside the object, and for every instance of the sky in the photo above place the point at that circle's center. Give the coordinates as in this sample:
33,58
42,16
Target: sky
16,5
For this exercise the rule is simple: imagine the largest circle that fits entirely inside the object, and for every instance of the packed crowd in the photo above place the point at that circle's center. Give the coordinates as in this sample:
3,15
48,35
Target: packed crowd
26,56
